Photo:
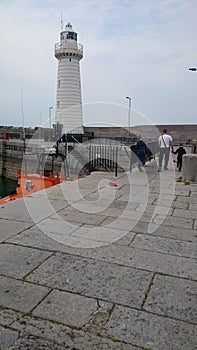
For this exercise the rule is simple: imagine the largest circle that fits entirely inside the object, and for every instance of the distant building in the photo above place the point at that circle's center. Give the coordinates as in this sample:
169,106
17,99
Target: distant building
68,99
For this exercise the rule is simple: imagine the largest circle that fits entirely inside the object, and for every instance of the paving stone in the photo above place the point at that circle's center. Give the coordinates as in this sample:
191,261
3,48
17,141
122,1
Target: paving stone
27,342
7,337
168,231
9,228
46,329
192,214
20,296
126,239
150,331
189,200
17,261
39,208
165,245
36,238
173,297
101,235
112,283
7,317
70,338
71,309
151,208
144,259
177,221
15,210
86,218
193,207
180,205
123,205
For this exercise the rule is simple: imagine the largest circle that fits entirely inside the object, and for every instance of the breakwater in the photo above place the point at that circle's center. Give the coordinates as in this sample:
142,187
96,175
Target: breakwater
13,157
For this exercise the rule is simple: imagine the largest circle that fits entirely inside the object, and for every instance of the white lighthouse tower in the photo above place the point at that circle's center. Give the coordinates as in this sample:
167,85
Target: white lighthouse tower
68,99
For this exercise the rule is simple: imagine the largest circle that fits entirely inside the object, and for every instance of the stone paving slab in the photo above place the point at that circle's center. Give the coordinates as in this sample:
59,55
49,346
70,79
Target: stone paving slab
113,283
17,261
168,232
142,259
165,245
19,295
125,224
175,221
99,235
173,297
58,306
91,219
191,214
192,207
69,337
36,238
15,210
7,337
150,331
10,228
7,316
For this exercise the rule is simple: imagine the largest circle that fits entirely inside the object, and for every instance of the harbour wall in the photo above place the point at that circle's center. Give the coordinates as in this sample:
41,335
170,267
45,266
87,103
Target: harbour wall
180,133
12,151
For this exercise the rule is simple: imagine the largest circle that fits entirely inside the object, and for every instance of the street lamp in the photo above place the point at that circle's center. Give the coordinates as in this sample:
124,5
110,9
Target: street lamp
129,110
50,108
193,69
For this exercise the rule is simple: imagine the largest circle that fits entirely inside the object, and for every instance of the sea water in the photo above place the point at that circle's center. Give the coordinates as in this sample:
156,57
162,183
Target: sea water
7,186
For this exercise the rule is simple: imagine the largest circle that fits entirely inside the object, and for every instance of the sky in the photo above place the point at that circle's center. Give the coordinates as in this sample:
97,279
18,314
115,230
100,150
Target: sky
136,48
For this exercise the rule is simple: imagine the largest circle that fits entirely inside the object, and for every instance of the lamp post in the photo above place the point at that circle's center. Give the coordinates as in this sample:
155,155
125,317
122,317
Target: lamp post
129,111
50,108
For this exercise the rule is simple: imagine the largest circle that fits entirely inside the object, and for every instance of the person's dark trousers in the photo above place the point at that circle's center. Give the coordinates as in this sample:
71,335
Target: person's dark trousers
141,159
164,153
179,163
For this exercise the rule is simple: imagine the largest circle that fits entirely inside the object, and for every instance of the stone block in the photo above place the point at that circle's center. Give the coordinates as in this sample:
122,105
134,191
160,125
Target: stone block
7,337
97,279
67,308
173,297
21,296
189,169
17,261
150,331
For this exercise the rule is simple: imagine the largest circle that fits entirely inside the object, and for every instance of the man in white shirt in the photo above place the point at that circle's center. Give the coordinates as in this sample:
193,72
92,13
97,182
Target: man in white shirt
165,142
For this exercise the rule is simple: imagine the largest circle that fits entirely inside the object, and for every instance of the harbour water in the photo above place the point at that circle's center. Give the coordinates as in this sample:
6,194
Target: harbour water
7,186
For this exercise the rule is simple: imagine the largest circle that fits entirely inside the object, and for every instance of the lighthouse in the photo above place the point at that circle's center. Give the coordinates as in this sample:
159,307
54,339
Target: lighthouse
68,98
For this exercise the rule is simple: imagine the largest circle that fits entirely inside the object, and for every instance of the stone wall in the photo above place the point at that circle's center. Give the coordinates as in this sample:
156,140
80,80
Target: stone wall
180,133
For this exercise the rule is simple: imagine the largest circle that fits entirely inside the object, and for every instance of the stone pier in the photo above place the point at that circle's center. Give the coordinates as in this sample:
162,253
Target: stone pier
101,263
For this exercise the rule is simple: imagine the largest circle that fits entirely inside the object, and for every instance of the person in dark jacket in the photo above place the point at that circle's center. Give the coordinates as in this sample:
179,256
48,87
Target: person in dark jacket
141,151
180,152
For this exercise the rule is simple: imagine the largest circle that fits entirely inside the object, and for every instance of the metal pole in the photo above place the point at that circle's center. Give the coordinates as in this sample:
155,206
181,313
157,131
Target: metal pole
50,108
129,111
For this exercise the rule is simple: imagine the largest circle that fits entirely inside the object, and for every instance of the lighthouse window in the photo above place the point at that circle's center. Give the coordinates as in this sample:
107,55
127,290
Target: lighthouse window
58,83
58,104
72,36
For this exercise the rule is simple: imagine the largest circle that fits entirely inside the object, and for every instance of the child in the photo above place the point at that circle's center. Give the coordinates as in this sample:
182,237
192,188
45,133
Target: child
180,152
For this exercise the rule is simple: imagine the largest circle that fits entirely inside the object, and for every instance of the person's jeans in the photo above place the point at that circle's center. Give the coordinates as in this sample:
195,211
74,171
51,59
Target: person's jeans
179,163
164,153
141,159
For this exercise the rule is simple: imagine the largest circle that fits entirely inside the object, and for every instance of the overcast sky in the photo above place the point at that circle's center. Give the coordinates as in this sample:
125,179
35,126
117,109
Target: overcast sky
136,48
